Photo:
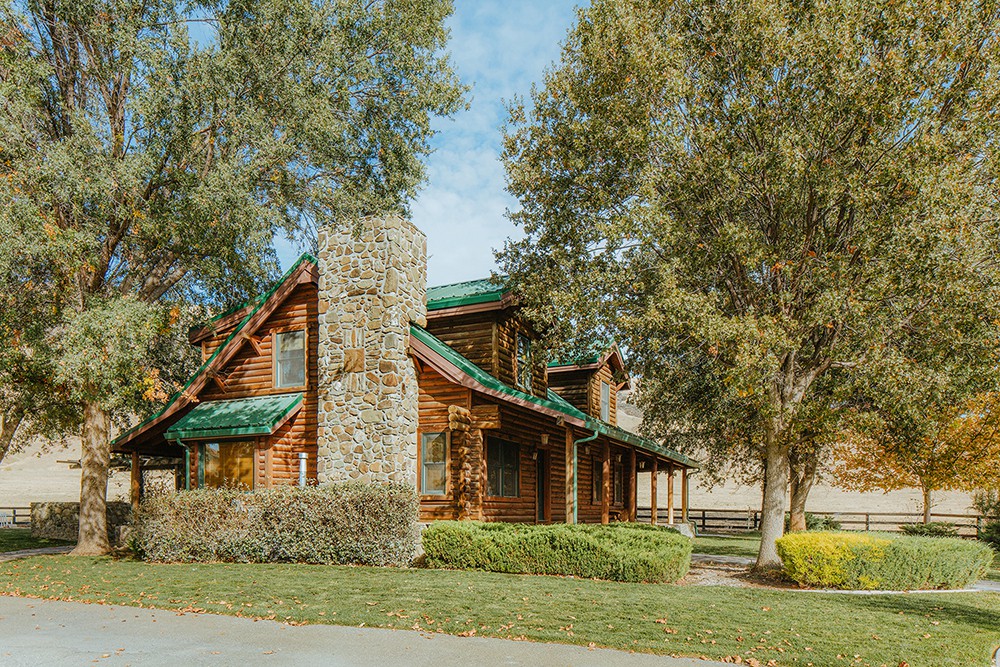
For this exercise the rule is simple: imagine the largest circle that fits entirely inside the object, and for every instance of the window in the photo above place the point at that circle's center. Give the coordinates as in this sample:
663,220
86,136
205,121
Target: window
290,359
605,401
226,464
503,468
524,362
434,464
618,483
597,481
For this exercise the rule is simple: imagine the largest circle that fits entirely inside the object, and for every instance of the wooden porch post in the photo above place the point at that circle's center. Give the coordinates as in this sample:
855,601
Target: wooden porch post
136,481
670,494
652,493
632,479
606,482
570,478
684,495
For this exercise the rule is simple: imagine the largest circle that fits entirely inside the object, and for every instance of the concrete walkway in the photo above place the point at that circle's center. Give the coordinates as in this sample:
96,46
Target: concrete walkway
710,559
28,553
47,632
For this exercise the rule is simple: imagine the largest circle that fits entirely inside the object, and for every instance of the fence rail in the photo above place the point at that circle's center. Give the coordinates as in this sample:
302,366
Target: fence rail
749,520
15,517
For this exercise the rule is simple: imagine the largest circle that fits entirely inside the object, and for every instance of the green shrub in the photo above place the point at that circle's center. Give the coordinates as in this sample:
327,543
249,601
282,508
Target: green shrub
816,522
931,529
882,561
617,551
990,533
342,523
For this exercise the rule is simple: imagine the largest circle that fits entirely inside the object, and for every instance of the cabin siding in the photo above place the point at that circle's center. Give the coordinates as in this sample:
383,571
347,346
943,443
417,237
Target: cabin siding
603,374
472,336
573,386
436,394
250,373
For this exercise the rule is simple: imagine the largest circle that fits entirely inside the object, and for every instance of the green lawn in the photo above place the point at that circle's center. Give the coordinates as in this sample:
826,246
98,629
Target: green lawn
725,545
16,539
792,628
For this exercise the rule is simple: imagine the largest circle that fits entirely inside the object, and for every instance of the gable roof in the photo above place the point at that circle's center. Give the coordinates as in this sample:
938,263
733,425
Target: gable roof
611,356
453,366
303,270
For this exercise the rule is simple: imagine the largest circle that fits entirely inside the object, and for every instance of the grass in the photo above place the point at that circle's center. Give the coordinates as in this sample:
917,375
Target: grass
789,627
728,545
994,574
16,539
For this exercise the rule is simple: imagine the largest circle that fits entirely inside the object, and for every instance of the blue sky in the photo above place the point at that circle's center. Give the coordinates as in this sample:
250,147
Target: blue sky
499,48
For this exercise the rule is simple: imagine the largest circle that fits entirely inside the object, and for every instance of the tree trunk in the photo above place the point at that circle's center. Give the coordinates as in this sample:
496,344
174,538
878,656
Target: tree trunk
9,424
927,504
95,459
772,519
802,480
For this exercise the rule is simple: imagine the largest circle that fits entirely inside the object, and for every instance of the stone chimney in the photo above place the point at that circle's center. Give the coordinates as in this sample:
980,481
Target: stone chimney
372,285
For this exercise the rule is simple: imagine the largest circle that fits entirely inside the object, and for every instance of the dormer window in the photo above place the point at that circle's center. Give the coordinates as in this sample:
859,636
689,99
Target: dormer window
524,365
605,401
290,359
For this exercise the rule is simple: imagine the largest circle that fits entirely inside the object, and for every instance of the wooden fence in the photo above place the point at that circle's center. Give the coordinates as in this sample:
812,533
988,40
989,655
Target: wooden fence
15,517
741,521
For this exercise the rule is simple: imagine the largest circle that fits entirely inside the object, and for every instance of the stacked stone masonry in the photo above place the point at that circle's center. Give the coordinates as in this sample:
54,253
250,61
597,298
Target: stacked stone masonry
61,521
372,285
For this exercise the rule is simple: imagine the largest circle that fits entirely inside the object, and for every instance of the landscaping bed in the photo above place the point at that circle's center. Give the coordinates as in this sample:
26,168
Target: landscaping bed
941,630
616,552
882,561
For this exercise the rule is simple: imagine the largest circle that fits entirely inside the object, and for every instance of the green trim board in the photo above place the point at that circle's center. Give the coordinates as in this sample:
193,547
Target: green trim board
259,415
552,402
468,293
261,300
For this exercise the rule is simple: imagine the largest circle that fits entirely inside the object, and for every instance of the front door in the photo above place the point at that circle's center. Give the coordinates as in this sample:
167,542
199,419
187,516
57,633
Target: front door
542,487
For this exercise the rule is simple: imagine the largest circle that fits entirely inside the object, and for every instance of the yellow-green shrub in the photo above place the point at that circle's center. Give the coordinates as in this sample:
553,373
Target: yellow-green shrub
882,561
617,552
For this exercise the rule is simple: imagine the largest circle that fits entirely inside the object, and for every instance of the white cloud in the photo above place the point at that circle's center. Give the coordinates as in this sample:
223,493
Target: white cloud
499,47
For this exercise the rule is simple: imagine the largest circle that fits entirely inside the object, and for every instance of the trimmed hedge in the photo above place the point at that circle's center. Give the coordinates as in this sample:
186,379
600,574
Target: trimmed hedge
931,529
349,523
882,561
616,552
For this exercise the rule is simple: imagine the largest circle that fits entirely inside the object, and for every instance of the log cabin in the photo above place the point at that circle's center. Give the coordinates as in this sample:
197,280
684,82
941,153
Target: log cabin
349,368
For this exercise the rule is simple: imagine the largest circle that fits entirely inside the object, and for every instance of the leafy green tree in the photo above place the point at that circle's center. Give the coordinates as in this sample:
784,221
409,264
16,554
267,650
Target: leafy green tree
750,195
150,151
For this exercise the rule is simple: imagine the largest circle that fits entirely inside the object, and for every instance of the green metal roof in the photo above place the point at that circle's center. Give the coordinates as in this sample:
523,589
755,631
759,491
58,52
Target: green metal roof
553,401
586,361
261,300
464,294
260,415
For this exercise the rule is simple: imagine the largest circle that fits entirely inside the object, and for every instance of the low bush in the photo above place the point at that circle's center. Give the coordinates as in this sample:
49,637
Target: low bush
348,523
617,551
816,522
990,533
882,561
931,529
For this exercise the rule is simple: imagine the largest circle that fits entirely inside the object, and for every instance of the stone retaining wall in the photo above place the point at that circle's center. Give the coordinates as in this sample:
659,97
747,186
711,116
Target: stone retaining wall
61,521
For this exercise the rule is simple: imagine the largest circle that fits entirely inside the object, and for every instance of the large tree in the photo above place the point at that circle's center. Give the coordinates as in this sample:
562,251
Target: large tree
151,149
752,194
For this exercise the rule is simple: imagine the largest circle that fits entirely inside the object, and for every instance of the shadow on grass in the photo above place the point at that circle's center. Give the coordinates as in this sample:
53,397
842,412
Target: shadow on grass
949,608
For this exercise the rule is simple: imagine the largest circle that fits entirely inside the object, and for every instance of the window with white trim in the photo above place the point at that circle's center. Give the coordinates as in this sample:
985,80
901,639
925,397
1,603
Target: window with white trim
290,359
434,464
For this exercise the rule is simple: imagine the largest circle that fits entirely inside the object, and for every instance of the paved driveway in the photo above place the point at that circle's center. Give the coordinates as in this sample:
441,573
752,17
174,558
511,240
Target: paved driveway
44,632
